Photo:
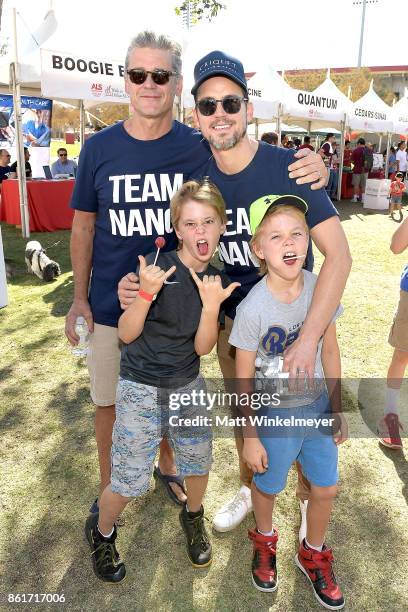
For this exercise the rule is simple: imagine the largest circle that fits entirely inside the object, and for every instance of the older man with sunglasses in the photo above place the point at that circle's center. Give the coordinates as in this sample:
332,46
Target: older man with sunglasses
126,177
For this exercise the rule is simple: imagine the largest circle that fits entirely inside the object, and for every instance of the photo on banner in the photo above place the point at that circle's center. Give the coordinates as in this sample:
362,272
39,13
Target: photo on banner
36,127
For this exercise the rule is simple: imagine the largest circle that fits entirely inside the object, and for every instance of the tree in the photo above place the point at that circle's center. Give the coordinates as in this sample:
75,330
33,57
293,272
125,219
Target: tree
200,9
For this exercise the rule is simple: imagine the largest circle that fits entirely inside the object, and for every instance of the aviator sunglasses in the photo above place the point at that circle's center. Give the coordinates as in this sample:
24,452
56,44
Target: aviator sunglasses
160,77
230,104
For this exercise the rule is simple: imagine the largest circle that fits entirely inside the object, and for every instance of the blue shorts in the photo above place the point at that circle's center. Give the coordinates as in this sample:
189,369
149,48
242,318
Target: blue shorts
310,444
142,419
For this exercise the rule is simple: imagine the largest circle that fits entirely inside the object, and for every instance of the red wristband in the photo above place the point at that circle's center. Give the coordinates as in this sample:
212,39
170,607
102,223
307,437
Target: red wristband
146,296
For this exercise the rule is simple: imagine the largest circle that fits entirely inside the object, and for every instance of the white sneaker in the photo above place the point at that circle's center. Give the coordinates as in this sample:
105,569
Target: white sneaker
303,524
355,199
231,514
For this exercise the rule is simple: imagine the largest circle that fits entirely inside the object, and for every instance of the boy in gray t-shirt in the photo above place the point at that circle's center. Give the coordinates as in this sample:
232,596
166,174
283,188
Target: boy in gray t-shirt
268,320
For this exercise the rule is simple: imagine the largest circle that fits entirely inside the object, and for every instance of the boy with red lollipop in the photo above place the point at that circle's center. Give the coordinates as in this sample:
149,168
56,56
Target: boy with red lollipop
167,328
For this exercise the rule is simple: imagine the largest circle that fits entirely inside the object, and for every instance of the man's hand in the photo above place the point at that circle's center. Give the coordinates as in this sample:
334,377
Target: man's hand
339,428
79,308
309,168
255,455
152,277
128,288
211,291
300,358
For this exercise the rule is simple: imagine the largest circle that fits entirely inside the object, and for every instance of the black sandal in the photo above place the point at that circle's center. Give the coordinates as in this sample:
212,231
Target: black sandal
166,480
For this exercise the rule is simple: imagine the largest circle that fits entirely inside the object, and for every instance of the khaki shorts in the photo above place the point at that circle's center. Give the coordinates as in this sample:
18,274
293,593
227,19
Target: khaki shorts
103,364
398,337
359,180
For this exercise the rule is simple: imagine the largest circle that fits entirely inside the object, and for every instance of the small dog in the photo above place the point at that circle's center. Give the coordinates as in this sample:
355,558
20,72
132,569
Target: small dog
39,263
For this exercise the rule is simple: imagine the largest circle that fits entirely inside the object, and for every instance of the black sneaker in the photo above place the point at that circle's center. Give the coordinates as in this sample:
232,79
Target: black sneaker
198,543
105,558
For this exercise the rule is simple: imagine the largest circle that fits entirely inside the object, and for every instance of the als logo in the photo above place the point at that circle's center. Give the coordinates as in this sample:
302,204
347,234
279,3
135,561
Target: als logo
96,89
277,339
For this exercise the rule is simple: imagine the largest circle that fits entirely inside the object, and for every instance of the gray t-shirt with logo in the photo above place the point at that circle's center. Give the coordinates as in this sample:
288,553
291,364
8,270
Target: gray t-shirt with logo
267,326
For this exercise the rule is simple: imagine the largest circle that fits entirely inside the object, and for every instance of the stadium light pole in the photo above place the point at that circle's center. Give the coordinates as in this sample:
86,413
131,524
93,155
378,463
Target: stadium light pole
363,12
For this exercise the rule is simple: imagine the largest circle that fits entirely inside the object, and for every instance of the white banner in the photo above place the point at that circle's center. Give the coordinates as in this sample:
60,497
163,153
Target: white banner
370,119
313,106
64,75
371,114
400,111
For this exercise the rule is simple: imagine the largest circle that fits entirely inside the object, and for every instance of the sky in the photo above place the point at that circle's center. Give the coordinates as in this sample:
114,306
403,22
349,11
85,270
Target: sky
286,35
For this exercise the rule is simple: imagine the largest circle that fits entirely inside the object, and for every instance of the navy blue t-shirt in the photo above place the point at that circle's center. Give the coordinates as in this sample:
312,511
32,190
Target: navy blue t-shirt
128,183
4,172
267,174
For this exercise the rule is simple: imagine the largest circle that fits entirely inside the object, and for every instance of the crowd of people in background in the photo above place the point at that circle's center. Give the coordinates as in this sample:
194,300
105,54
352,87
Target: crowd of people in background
358,161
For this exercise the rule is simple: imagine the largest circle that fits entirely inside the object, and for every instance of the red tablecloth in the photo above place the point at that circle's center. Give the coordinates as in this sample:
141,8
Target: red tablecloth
48,204
376,174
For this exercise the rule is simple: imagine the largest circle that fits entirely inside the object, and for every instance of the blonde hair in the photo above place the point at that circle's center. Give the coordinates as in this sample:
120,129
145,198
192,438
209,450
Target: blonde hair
203,192
273,211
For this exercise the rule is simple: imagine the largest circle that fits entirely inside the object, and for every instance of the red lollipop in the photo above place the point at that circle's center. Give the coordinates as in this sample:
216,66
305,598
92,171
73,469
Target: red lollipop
160,242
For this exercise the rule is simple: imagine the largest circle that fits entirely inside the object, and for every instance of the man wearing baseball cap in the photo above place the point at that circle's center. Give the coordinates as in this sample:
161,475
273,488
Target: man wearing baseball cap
245,170
223,116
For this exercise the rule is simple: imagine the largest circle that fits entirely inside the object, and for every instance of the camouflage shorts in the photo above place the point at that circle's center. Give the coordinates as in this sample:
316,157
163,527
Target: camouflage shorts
142,419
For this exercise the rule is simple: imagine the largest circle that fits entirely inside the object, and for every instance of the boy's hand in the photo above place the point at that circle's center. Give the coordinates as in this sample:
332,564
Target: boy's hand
309,168
254,454
152,277
211,291
339,428
128,288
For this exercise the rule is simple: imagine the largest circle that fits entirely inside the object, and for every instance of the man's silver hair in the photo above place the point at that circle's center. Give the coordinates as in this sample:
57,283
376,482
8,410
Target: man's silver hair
156,41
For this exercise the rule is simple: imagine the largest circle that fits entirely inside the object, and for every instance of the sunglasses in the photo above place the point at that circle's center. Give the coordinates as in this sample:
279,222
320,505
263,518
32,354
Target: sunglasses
230,104
159,77
63,154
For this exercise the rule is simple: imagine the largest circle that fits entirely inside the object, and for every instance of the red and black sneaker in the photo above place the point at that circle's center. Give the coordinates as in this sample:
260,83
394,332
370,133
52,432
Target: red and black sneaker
264,574
318,567
389,432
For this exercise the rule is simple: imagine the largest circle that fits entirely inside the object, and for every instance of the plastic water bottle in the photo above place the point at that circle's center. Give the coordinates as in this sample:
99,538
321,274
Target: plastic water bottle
81,329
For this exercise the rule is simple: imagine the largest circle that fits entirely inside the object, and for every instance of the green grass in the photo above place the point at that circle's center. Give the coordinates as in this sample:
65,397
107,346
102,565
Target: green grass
49,467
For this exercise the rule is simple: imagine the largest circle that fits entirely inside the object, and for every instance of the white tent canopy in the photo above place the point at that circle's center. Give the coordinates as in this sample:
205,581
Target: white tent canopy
371,114
66,76
400,115
329,89
326,105
266,89
82,78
